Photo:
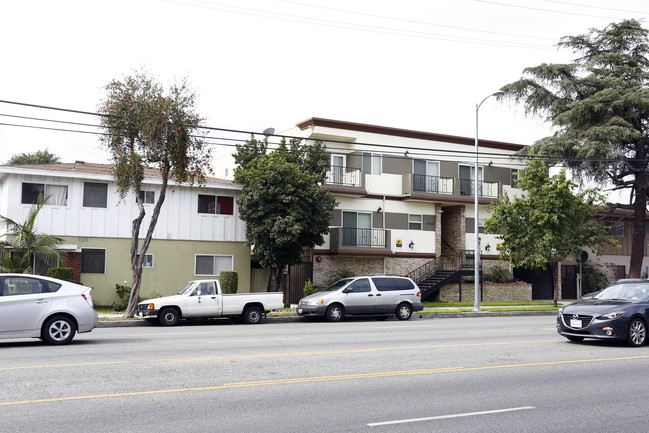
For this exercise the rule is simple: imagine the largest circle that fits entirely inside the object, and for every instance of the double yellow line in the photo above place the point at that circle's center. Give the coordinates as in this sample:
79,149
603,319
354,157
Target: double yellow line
299,380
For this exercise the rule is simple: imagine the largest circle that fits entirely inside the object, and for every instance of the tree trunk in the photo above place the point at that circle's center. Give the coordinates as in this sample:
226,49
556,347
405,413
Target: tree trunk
274,279
639,212
554,266
136,262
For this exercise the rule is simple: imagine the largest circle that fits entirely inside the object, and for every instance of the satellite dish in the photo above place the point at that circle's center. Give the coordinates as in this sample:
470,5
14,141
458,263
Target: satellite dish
269,131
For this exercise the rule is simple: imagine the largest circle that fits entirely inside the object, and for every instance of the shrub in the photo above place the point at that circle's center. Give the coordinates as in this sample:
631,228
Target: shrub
308,289
499,275
593,277
123,292
229,281
66,274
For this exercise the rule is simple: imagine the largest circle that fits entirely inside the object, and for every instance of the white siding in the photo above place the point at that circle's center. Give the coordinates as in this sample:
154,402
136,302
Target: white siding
179,218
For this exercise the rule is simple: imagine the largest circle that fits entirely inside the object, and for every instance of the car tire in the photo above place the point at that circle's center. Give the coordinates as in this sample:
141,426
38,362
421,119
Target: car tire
335,313
404,311
575,339
252,315
168,317
58,330
636,334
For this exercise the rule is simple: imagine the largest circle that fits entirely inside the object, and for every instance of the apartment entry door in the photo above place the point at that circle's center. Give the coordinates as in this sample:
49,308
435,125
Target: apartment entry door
357,228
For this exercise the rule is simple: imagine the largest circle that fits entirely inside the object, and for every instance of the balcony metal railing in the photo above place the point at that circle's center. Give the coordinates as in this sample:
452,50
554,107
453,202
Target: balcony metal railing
485,189
339,175
433,184
356,237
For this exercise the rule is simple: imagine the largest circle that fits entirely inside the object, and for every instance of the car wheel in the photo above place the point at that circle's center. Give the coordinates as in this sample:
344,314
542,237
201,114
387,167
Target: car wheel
169,317
335,313
58,330
252,315
637,332
404,311
575,339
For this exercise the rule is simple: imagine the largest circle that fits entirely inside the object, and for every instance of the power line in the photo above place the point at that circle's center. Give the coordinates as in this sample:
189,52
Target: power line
352,26
401,149
596,7
545,10
414,21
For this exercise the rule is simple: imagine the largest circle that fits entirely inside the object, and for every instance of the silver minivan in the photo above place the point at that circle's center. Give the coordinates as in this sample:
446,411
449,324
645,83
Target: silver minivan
379,296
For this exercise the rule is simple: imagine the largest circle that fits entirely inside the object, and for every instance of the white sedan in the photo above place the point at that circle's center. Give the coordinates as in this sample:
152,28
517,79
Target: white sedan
46,308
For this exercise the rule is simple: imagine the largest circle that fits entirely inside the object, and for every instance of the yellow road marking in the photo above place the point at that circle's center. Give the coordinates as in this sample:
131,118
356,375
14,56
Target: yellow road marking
278,355
324,379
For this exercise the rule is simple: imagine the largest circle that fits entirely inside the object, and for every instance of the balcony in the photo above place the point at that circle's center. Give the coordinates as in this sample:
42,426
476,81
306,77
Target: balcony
344,176
432,184
358,239
485,189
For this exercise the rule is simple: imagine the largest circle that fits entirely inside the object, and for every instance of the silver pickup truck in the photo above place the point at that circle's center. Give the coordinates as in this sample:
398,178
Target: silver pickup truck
204,299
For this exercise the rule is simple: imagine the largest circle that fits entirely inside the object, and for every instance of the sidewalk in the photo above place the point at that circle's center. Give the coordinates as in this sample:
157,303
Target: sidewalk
114,320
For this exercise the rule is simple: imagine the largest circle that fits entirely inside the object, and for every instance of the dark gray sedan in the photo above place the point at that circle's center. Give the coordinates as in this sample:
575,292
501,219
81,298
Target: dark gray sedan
619,312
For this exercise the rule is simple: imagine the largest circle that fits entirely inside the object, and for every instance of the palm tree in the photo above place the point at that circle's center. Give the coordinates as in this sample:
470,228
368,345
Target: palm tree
27,243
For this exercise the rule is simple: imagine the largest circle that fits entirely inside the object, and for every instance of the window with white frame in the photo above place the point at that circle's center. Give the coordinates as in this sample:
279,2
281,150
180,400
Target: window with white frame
372,163
148,260
415,222
146,197
57,195
95,194
212,264
93,261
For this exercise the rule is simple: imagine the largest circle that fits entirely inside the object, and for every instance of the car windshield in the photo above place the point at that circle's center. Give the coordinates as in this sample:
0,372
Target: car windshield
625,292
185,288
338,284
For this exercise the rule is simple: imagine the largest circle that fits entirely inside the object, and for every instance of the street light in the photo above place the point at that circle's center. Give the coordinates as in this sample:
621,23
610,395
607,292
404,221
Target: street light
476,259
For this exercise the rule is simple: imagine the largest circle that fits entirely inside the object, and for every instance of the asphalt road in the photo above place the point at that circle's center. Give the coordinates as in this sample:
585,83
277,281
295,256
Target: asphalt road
511,374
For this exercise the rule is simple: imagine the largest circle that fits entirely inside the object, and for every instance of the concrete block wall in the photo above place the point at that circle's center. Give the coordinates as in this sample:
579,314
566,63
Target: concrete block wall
508,292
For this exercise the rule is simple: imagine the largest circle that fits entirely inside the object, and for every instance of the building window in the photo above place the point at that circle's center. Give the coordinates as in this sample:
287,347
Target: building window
212,264
414,222
213,204
57,195
95,194
615,228
372,163
514,178
147,197
148,260
93,261
467,180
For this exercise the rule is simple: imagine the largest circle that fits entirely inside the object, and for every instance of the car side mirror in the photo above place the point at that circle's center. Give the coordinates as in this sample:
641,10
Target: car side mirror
348,290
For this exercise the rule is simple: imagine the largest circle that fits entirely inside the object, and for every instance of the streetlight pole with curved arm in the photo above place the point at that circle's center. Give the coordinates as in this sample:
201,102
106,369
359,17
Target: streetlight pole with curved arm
476,260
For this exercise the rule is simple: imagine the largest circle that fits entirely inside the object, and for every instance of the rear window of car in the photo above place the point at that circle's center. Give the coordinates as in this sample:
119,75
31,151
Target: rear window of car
386,284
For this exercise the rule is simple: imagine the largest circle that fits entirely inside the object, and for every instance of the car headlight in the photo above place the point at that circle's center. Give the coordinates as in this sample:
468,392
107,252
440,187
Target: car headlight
316,301
613,315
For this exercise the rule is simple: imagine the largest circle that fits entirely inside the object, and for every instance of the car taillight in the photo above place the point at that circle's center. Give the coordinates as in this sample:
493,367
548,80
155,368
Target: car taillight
419,294
87,296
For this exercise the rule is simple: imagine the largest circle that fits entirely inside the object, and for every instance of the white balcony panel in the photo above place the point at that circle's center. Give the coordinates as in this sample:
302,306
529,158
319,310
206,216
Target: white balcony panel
384,184
424,241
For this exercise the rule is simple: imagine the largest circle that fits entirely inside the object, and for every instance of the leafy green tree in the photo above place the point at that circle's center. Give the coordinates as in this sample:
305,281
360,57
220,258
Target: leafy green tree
283,203
27,243
38,157
599,106
548,222
147,126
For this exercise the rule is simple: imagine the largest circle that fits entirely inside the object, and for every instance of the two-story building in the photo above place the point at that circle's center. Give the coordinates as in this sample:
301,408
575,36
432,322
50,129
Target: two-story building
198,233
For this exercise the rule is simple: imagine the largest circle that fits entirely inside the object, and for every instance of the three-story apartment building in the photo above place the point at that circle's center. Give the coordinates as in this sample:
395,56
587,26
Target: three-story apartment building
404,196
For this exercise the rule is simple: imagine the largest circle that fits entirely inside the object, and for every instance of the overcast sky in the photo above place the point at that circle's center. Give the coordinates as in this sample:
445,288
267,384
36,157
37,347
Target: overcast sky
255,64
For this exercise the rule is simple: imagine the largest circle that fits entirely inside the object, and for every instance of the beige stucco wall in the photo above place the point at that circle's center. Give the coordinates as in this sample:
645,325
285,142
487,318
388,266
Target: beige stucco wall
173,265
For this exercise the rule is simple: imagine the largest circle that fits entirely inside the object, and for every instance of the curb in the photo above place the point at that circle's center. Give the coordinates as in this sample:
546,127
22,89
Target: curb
290,319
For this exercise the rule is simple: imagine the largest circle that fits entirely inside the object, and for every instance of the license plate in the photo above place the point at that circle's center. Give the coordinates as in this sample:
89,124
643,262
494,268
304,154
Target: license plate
299,310
575,323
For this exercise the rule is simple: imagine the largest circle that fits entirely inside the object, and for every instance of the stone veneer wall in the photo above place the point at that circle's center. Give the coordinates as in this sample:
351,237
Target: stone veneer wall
453,230
507,292
325,271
